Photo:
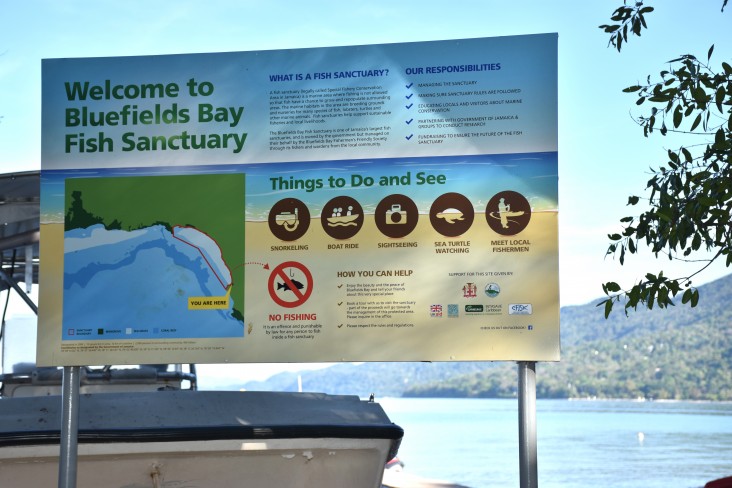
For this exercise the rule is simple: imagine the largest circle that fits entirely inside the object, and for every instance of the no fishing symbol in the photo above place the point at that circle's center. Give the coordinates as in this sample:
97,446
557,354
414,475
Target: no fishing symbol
290,284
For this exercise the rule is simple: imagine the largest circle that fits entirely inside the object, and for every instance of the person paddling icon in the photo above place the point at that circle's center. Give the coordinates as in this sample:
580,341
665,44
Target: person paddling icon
508,212
503,209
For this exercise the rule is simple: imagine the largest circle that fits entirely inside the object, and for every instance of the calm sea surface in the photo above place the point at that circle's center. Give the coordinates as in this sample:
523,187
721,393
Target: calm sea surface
474,442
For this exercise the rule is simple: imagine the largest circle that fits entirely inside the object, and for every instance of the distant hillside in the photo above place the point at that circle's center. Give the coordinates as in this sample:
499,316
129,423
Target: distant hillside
678,353
382,379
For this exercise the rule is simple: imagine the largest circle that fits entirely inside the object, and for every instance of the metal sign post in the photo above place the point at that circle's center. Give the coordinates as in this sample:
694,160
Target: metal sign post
68,457
527,424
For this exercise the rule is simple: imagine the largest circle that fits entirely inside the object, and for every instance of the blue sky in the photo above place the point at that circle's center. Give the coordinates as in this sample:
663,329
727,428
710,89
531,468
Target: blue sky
603,156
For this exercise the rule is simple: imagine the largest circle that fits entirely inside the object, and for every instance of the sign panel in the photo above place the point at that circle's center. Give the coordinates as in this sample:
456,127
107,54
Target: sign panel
390,202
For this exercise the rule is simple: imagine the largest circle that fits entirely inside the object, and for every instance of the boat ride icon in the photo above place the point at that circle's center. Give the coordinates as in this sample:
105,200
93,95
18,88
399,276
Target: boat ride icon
289,219
508,213
342,217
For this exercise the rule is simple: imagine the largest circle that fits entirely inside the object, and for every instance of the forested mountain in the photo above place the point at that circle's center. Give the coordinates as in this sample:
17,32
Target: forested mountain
677,353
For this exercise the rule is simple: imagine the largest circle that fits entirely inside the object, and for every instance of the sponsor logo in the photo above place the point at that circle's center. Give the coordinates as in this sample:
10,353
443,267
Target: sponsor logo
436,311
473,308
492,290
470,290
520,309
452,310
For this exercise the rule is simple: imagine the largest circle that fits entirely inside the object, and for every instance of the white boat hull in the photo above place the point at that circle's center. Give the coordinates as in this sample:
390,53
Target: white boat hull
202,439
322,463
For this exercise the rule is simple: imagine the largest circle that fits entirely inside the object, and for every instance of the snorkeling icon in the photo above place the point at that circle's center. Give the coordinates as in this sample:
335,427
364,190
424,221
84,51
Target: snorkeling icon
288,220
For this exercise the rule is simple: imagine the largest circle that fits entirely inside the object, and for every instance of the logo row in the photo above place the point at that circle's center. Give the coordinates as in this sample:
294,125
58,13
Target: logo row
453,309
396,216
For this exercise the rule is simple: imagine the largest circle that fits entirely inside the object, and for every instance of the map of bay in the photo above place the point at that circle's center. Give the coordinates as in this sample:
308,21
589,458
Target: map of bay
99,260
139,250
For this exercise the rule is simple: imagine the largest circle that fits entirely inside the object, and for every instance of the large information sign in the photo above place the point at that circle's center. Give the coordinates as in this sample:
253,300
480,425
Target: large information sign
391,202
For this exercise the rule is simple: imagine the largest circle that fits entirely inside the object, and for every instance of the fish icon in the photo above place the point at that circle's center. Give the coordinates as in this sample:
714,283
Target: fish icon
286,286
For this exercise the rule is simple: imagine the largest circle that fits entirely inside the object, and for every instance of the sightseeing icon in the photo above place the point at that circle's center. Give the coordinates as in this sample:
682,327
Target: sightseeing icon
396,216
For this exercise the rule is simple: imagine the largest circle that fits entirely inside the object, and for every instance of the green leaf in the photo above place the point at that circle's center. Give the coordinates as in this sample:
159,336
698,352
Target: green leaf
663,216
719,98
727,68
696,122
694,298
673,156
610,28
700,96
632,89
687,155
707,200
719,137
612,287
608,308
686,297
709,54
678,117
696,242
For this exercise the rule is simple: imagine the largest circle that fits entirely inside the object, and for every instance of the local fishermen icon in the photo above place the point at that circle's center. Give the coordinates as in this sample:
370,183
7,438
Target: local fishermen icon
508,213
504,212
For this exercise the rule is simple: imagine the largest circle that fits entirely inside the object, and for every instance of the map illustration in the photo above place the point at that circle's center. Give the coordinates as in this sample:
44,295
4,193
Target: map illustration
154,257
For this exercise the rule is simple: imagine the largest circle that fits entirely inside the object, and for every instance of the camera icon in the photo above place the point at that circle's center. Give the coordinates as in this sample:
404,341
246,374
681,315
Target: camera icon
395,215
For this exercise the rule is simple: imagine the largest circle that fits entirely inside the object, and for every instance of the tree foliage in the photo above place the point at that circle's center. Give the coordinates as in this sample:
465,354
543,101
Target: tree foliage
678,354
689,203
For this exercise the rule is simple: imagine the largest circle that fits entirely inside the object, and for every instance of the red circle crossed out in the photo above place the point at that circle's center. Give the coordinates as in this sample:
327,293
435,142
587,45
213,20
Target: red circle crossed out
300,297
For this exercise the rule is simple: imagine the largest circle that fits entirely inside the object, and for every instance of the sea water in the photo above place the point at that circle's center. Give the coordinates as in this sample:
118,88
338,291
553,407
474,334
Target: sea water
619,444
